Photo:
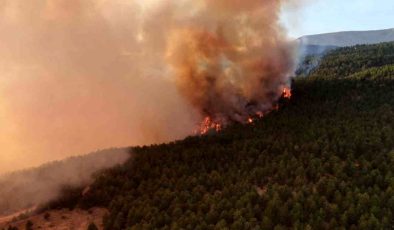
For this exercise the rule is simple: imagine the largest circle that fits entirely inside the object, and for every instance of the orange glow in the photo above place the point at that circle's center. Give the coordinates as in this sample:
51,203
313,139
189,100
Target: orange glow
208,124
286,93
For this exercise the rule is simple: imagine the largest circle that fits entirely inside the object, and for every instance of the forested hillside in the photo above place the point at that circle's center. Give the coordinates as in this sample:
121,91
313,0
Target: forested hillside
323,160
343,62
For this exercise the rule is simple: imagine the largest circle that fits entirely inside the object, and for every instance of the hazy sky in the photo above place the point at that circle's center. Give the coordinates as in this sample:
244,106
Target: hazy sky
322,16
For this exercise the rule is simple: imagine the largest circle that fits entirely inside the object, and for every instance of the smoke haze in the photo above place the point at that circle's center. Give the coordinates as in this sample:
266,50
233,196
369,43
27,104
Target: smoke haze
74,78
80,75
30,188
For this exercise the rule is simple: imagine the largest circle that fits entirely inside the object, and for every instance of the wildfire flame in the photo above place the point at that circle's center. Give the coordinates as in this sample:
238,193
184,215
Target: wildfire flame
286,93
208,124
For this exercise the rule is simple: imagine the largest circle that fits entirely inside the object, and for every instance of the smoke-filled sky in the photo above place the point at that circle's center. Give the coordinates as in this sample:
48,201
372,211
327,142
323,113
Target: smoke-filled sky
82,75
74,79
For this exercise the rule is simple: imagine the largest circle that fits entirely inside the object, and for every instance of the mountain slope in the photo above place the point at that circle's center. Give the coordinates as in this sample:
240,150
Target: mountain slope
348,60
348,38
323,160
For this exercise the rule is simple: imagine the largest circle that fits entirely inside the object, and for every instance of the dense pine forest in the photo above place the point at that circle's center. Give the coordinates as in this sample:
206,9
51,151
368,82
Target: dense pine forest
323,160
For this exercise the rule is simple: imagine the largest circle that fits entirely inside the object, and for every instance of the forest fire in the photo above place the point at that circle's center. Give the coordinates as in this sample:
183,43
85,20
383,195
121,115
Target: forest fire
286,93
232,65
208,124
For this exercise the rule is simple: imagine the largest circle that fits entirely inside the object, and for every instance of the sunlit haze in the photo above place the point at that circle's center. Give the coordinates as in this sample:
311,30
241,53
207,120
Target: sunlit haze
77,76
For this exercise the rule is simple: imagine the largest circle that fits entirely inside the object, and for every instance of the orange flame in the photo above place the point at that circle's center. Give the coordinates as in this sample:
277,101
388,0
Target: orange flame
208,124
286,93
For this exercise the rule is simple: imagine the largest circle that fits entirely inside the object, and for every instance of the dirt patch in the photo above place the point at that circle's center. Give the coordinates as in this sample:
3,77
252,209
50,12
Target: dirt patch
59,219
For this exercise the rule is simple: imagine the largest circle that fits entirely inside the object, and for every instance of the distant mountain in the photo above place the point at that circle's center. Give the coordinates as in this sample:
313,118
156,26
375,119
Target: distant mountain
312,48
348,38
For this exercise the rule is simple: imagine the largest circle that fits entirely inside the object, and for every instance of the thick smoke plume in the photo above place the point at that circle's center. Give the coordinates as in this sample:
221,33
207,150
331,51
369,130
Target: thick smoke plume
230,57
79,75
